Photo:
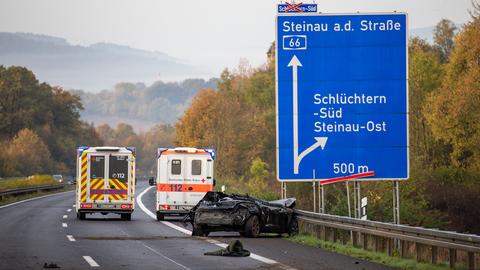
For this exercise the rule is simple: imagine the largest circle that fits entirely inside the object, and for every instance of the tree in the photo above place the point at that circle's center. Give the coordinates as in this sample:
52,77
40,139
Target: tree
259,177
26,155
426,74
453,112
443,35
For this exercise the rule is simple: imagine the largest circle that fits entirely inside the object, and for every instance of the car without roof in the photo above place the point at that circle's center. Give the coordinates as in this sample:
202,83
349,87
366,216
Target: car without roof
250,217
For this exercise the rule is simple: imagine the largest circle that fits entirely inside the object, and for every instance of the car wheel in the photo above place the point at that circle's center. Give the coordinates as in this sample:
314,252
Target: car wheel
81,216
126,216
252,227
197,230
160,216
293,228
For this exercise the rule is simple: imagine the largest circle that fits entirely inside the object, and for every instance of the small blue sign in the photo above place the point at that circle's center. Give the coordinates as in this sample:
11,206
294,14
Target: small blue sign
290,8
342,96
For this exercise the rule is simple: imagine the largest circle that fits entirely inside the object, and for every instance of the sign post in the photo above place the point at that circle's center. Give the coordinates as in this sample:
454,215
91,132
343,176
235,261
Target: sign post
341,97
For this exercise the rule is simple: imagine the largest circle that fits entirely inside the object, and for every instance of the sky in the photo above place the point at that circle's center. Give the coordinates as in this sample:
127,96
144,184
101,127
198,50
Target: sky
210,34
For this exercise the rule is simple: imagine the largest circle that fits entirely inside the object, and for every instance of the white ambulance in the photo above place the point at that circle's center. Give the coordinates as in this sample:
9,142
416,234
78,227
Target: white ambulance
184,175
105,181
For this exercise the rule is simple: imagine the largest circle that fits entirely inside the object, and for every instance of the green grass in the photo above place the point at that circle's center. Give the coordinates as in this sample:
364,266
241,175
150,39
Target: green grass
376,257
36,180
12,199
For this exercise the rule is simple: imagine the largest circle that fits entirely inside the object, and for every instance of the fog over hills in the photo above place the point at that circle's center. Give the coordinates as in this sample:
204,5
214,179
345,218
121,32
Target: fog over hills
93,68
140,105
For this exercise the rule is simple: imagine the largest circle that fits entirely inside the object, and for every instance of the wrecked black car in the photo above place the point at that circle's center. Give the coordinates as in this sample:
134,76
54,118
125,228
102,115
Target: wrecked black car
218,211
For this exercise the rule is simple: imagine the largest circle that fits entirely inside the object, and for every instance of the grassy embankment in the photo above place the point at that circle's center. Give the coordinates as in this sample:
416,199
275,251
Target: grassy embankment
36,180
375,257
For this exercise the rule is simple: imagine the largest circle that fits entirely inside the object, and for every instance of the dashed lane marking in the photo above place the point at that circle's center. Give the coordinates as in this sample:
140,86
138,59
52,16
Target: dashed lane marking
91,261
65,216
70,238
69,210
64,225
220,244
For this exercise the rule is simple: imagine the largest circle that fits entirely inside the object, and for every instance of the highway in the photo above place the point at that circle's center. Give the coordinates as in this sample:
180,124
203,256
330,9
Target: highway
46,230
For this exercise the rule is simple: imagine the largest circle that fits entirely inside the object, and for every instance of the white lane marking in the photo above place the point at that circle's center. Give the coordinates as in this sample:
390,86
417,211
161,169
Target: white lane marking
65,216
69,210
185,231
64,225
36,198
156,252
152,215
160,254
70,238
90,261
178,228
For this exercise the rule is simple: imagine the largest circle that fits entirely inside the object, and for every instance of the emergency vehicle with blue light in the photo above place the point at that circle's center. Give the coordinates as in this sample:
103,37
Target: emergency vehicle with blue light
106,181
184,176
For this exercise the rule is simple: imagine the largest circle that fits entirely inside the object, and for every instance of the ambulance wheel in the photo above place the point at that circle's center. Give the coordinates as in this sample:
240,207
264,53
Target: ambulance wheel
126,216
160,216
81,216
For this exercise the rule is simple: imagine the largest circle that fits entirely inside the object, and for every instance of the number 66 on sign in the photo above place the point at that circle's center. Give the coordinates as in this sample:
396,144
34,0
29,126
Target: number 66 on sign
295,42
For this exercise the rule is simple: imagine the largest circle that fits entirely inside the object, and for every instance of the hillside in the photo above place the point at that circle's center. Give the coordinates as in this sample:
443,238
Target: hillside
139,105
91,68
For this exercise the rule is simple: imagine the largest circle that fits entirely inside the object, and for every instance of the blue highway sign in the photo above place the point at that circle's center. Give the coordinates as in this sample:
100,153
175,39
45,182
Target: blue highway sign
342,96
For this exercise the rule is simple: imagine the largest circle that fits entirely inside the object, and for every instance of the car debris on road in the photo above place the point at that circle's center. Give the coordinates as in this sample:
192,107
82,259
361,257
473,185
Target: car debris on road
234,249
249,216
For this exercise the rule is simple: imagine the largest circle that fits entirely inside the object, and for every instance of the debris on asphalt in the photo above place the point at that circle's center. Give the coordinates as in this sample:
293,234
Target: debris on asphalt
50,265
234,249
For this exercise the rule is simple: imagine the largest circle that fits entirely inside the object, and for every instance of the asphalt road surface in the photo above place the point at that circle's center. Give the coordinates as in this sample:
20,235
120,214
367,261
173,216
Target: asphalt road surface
46,231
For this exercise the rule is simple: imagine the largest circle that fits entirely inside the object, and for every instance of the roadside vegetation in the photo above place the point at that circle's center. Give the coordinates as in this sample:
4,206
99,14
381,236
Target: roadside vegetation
376,257
11,199
33,181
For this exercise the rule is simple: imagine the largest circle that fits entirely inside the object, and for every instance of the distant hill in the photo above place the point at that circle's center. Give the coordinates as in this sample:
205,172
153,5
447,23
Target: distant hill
139,105
93,68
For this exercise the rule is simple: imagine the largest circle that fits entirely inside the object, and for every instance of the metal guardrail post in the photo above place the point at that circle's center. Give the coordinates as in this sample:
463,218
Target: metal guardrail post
471,261
453,257
434,255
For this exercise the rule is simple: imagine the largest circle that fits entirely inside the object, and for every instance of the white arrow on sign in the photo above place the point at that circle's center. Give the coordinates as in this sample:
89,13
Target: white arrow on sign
321,141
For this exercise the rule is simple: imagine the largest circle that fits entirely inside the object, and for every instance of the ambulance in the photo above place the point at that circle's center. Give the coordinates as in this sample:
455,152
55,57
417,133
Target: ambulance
105,181
184,175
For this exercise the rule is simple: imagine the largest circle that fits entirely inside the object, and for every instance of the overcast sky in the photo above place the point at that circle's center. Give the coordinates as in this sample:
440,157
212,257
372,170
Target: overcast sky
213,34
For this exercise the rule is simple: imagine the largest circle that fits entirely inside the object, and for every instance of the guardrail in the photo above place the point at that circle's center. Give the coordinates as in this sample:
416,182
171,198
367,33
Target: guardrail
424,244
20,191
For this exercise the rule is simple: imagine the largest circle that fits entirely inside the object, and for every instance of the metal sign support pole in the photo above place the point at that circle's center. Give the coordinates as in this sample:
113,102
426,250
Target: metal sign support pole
396,208
348,200
283,190
358,199
349,207
314,185
355,199
321,199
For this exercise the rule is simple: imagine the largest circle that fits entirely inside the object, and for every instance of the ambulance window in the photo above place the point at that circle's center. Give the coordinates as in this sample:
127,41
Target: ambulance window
176,167
118,168
196,167
97,167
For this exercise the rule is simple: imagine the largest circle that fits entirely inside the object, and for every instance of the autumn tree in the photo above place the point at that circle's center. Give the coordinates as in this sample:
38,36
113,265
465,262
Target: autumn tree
51,113
443,35
453,112
27,154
